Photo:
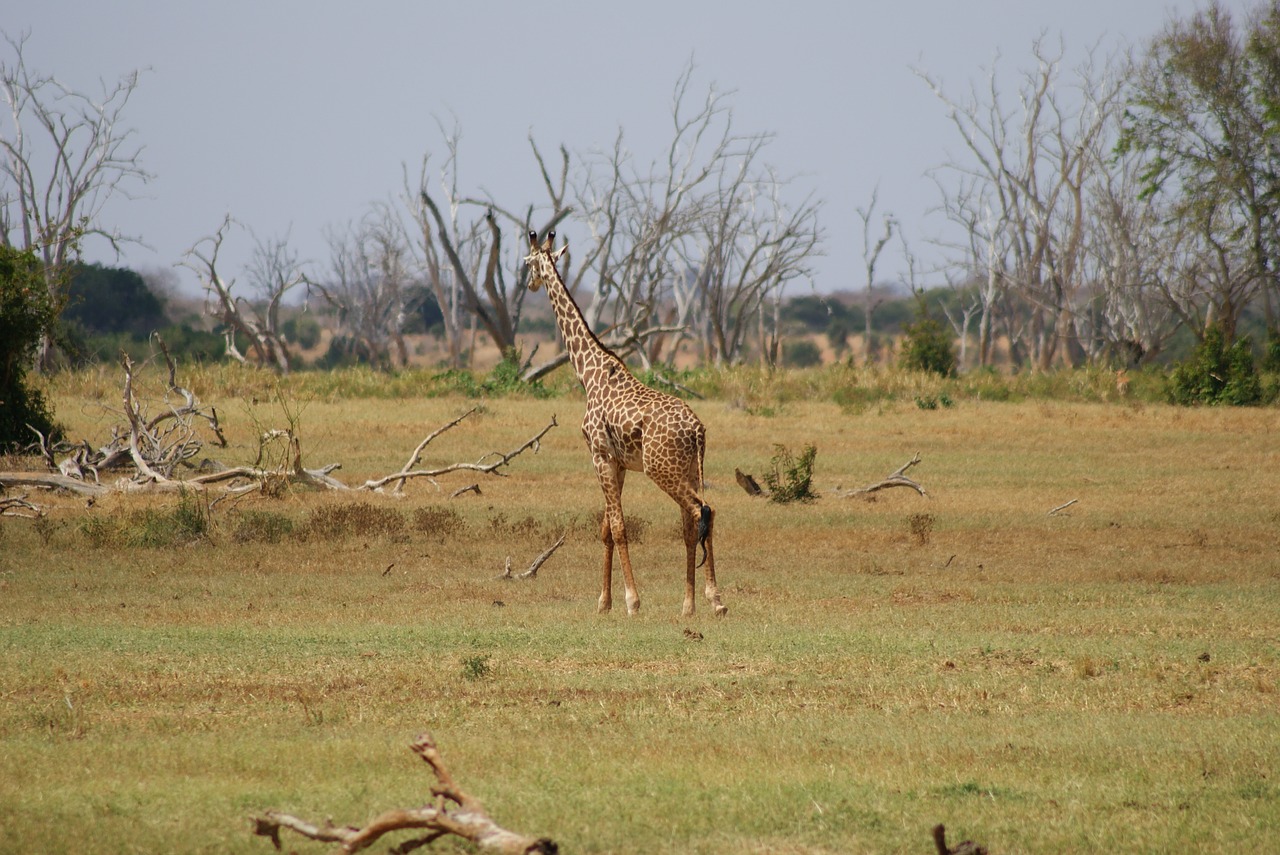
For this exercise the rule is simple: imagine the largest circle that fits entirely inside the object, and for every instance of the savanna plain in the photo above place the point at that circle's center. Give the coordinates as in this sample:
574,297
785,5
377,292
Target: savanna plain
1102,678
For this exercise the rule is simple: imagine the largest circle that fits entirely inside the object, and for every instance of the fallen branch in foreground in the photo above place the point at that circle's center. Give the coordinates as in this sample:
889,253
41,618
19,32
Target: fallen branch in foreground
454,812
18,506
537,562
897,478
1062,507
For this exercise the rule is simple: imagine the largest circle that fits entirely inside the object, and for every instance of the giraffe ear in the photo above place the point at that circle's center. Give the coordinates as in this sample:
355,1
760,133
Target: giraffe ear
555,256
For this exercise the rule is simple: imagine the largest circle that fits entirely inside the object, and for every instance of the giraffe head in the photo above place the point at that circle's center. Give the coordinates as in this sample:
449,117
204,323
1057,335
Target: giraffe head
542,260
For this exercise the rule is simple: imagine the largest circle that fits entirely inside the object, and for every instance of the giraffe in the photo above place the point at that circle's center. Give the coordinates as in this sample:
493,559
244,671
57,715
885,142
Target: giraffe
629,426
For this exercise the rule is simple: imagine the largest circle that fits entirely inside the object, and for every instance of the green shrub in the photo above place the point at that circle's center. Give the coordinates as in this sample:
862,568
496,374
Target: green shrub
1271,354
302,330
790,479
927,344
1217,373
801,354
188,522
27,313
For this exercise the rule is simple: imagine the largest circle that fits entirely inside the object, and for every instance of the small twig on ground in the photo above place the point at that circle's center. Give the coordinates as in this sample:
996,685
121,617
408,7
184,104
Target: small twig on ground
537,562
1061,507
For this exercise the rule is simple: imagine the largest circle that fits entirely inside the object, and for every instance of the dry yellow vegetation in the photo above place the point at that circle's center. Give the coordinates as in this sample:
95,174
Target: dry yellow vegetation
1103,678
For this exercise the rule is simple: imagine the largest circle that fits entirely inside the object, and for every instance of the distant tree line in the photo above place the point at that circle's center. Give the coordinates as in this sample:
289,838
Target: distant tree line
1108,209
1123,212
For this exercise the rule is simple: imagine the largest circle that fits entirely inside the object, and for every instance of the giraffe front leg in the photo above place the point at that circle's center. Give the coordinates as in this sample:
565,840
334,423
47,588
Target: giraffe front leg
614,534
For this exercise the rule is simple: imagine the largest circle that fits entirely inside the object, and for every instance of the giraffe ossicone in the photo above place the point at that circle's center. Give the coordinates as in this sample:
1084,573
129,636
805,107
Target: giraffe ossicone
631,427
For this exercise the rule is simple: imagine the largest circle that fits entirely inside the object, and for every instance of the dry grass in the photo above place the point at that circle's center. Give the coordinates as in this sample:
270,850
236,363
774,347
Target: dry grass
1104,678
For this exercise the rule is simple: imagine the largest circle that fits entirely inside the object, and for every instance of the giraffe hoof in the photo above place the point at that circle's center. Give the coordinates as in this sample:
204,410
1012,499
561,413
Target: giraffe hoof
721,610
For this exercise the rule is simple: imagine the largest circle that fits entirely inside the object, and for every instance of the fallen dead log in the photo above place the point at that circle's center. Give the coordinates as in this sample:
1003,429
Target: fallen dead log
454,812
897,478
155,447
747,483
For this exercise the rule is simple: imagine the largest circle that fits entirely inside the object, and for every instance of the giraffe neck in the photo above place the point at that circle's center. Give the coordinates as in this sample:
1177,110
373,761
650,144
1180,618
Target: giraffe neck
594,363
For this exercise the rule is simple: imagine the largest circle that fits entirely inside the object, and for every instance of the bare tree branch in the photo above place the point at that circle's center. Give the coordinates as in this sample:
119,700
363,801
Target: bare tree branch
537,562
897,478
455,812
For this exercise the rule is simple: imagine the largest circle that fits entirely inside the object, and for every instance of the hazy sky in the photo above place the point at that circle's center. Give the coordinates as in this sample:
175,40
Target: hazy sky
294,116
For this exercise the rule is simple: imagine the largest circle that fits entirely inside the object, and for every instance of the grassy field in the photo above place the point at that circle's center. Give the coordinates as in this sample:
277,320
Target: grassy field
1103,679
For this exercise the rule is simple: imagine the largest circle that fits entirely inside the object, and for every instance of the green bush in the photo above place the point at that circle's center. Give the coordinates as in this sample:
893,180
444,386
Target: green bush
27,313
801,354
302,330
1217,373
927,344
790,479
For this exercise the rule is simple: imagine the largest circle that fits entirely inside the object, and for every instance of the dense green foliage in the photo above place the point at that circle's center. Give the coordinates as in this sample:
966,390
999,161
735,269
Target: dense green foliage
111,299
790,478
1217,373
927,343
27,312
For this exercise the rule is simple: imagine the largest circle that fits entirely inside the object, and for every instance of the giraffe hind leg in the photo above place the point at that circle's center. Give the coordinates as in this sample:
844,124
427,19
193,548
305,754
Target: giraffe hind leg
606,588
708,518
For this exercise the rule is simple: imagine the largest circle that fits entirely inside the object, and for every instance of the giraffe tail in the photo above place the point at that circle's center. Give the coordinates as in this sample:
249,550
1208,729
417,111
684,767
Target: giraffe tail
704,529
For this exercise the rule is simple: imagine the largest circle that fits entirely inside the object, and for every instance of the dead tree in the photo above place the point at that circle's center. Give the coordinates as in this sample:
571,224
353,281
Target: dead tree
453,811
63,157
277,272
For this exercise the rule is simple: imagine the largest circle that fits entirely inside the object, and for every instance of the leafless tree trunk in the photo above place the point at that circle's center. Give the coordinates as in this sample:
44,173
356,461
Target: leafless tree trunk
870,257
367,285
274,270
1022,198
706,230
63,155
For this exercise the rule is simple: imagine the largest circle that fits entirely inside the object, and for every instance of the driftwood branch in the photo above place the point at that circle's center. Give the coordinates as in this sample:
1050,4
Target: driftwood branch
490,468
537,562
1062,507
154,448
898,478
18,506
417,452
454,812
